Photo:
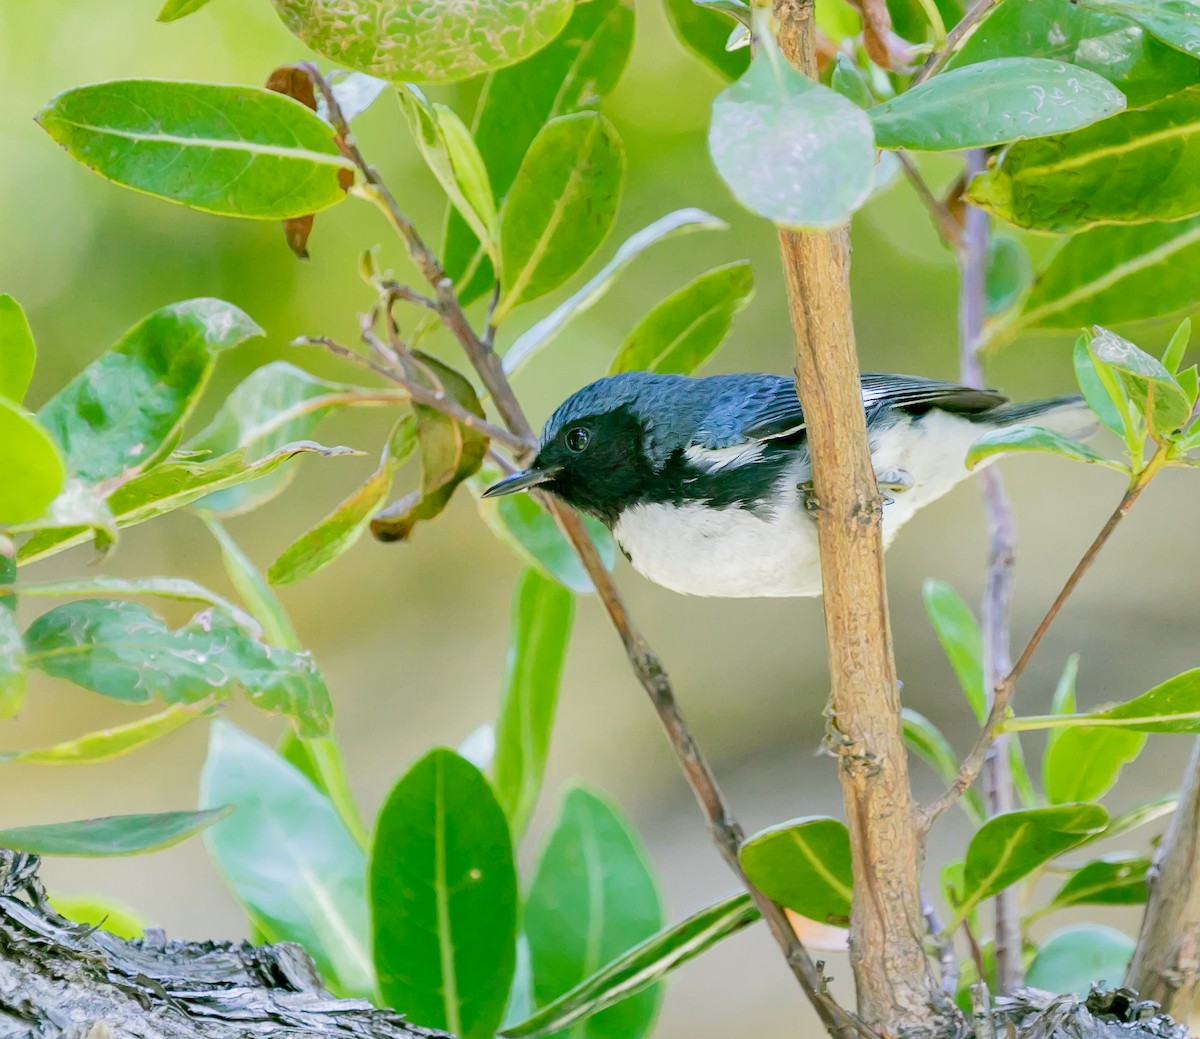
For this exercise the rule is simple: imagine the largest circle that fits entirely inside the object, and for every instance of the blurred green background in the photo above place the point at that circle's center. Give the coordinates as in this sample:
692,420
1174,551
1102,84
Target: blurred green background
412,637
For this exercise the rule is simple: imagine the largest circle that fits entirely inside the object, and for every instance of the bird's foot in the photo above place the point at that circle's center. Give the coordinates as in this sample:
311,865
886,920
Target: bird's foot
894,481
808,497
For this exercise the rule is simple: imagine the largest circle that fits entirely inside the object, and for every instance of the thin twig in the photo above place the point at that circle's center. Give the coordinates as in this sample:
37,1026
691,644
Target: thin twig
721,823
944,944
935,61
948,229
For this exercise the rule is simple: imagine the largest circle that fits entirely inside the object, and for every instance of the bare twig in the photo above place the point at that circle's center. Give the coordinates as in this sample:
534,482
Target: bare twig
725,830
935,61
997,599
948,229
981,1007
944,944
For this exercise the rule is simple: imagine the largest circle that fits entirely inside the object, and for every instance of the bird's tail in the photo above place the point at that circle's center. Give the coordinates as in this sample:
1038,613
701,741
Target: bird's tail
1068,415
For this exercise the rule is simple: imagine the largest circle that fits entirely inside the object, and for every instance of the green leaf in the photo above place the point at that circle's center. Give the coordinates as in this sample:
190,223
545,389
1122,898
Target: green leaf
450,452
274,405
641,966
249,582
1175,22
1009,272
1083,763
173,10
12,663
682,221
575,72
1075,958
1012,845
703,31
341,528
1013,439
111,743
124,411
1063,700
450,153
18,351
926,740
1115,880
1173,706
561,205
790,149
593,898
172,485
849,81
540,630
683,331
230,150
287,858
1140,815
993,102
1114,274
1152,388
805,865
1137,167
1100,387
444,898
958,632
530,531
435,43
1117,49
32,471
101,912
1177,348
124,651
111,835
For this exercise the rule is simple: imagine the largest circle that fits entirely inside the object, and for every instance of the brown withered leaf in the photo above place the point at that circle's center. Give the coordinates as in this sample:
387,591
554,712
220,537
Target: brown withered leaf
877,30
296,83
450,452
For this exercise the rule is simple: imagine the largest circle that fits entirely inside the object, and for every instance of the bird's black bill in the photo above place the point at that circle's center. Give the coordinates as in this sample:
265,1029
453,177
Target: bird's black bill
521,481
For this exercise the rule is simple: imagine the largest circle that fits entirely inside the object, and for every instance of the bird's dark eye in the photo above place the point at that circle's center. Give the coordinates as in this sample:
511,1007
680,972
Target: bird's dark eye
577,439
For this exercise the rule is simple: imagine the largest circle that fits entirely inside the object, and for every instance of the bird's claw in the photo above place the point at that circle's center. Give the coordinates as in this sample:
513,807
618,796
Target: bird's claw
894,481
808,497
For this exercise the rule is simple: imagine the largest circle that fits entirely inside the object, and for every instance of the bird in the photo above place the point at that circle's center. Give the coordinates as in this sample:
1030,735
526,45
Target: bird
706,483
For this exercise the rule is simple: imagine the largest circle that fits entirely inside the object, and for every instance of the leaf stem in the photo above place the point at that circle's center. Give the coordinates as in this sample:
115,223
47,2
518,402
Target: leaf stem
937,60
327,761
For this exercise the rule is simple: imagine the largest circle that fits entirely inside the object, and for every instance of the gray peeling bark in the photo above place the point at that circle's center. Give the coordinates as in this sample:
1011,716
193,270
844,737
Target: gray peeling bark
896,988
1166,962
60,980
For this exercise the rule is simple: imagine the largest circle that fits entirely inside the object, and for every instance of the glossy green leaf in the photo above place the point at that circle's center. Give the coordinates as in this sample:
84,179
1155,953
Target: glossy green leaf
172,485
120,739
993,102
1082,764
926,740
1140,815
1115,880
574,72
703,31
231,150
176,9
958,632
790,149
12,664
125,410
540,630
849,81
1009,273
287,858
1148,383
1175,22
1013,439
1117,49
274,405
1063,700
1075,958
593,898
451,155
1099,386
643,965
436,42
124,651
111,835
684,330
102,912
32,471
1173,706
1113,274
530,531
340,529
1012,845
805,865
1176,350
444,898
251,585
1139,166
682,221
18,351
561,205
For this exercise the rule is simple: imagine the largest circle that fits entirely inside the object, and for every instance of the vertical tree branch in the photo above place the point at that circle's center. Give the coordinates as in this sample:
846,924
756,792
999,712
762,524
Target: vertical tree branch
997,598
896,988
1166,963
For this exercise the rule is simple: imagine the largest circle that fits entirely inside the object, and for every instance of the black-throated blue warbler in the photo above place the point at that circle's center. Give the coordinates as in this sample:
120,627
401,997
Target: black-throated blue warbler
706,483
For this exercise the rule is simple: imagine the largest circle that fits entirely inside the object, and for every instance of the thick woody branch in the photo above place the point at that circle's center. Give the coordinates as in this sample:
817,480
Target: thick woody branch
896,988
1166,963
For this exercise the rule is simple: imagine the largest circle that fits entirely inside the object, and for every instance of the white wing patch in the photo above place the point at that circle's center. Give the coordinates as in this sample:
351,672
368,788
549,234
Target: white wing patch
713,460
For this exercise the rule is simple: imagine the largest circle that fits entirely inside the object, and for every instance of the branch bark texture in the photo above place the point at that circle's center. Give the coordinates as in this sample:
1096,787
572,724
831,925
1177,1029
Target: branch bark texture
896,988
